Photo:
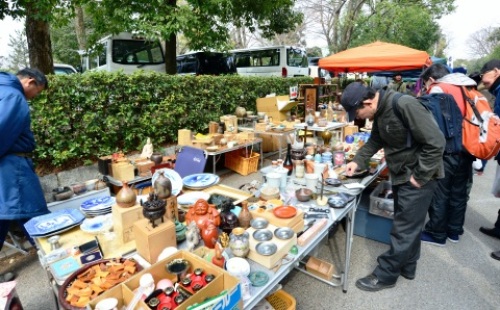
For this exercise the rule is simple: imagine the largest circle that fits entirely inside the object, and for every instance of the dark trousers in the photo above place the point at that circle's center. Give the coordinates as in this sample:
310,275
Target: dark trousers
449,203
4,229
410,208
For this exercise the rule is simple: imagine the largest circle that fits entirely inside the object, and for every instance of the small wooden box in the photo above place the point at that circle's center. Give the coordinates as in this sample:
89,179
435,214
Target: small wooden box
124,219
184,137
320,268
144,168
283,246
151,241
123,171
172,211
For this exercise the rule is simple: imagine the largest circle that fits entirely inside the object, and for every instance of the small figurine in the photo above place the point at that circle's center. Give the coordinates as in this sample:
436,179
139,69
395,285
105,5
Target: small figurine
209,234
218,259
202,211
147,150
192,236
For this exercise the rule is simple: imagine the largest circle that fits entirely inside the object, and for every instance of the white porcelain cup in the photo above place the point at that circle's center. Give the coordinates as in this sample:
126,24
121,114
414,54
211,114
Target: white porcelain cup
311,181
273,179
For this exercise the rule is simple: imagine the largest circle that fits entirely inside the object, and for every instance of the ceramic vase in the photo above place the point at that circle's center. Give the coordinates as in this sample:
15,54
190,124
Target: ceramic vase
210,234
245,216
163,186
126,197
157,158
228,220
239,242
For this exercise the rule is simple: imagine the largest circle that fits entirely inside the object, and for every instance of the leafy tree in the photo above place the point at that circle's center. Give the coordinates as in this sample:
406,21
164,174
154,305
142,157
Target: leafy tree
348,23
483,42
18,57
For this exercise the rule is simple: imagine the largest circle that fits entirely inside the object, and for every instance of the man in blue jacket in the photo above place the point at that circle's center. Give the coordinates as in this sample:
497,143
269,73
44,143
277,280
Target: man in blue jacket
21,195
490,76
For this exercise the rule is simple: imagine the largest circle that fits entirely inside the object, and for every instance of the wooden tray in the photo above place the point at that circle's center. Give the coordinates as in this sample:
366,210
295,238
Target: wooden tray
283,246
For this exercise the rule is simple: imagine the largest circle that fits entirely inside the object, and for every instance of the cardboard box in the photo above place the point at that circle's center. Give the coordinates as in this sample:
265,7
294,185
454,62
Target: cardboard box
349,130
124,219
275,107
151,241
223,282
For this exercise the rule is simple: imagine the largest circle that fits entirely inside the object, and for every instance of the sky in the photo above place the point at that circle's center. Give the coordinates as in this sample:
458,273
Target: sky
469,17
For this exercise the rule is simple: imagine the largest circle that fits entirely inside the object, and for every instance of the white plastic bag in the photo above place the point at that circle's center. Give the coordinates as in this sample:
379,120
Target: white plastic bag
496,183
477,164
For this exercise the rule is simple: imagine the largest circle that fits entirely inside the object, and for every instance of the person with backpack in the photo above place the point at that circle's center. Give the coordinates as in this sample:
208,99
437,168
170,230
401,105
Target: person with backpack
490,76
397,84
413,170
449,203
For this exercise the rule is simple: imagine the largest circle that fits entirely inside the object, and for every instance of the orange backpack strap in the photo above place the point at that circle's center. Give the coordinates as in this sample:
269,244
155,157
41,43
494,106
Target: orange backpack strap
472,104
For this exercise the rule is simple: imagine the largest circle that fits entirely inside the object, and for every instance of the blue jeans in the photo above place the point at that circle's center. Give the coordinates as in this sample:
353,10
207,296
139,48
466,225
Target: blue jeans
410,209
449,203
4,229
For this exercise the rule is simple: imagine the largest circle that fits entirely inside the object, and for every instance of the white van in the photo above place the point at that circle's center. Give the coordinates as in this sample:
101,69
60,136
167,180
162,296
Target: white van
284,61
127,52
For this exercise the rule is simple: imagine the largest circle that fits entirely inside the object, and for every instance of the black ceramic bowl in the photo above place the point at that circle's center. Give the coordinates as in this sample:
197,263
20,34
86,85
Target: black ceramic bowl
333,182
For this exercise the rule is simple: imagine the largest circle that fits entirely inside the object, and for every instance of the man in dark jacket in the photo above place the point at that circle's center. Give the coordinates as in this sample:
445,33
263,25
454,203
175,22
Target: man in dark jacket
21,195
490,76
413,169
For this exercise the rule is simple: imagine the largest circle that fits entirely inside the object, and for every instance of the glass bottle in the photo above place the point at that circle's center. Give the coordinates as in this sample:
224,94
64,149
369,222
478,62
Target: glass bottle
310,118
239,242
288,164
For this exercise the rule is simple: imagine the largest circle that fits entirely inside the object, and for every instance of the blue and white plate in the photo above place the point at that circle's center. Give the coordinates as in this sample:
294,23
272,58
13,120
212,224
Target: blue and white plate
97,224
99,203
174,177
55,221
200,180
191,197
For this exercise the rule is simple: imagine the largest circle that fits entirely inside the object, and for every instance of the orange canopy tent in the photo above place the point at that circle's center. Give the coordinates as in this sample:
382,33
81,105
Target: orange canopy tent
376,56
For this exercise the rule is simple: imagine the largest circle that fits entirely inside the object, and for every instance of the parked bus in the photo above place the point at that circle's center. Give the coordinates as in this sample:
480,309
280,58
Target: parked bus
213,63
285,61
127,52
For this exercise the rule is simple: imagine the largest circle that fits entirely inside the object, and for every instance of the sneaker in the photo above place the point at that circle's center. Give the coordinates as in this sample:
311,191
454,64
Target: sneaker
427,238
453,237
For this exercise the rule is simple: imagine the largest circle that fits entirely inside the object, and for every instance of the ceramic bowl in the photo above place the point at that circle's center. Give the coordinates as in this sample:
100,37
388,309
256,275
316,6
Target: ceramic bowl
259,223
249,113
284,233
238,266
333,182
266,248
262,235
269,193
261,115
303,194
90,184
336,202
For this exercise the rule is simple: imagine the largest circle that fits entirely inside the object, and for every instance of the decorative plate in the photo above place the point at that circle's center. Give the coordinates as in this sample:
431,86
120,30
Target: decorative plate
45,224
97,203
200,180
191,197
97,224
285,212
174,177
266,248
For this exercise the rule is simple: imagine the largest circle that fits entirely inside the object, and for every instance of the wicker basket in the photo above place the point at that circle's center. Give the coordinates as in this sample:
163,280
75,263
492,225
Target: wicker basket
281,300
241,164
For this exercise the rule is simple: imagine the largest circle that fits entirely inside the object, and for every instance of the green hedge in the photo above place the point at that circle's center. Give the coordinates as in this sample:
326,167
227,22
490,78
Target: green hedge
83,116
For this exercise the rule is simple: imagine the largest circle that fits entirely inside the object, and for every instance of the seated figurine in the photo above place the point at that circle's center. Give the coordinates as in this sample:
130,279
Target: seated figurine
202,211
147,150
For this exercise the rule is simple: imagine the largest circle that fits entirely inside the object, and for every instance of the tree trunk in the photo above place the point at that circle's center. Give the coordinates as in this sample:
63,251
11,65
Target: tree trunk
38,36
171,48
81,36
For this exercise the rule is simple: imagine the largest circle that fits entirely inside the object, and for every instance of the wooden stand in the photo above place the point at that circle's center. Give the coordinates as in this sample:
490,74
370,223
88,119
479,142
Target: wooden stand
151,241
124,219
172,211
283,246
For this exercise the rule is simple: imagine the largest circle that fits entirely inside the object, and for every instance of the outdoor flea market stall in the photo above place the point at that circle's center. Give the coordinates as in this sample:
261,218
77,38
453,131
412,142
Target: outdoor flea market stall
166,232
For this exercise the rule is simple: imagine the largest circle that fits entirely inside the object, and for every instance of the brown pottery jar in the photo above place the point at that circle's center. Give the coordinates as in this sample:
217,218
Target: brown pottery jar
126,197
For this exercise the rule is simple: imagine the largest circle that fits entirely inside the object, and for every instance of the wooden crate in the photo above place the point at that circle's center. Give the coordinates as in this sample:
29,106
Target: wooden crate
320,268
241,164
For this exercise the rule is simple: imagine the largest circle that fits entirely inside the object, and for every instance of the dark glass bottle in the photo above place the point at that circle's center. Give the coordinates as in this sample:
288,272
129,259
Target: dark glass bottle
288,164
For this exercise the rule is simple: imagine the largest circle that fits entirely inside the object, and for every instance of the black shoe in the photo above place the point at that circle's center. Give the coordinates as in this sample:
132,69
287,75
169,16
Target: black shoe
407,276
492,232
372,284
8,276
496,255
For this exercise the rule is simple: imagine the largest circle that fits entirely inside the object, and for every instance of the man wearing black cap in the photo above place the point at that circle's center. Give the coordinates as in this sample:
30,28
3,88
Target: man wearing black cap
490,74
414,158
